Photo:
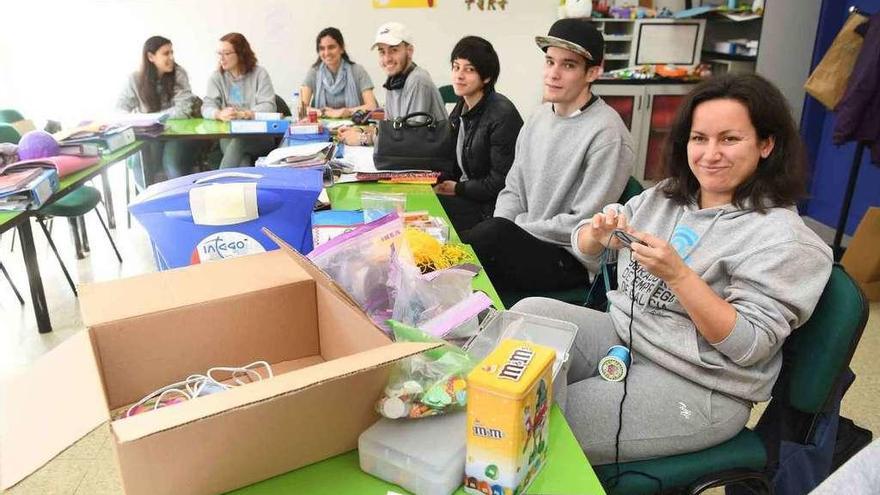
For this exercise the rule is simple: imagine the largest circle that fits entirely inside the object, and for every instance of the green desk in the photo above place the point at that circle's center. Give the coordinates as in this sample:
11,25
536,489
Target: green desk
21,220
203,129
566,471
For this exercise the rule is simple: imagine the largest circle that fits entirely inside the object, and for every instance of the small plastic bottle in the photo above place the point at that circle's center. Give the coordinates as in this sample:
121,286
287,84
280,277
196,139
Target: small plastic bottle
297,105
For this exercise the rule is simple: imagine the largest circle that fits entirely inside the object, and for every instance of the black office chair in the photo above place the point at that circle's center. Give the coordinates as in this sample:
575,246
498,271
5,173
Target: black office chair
281,106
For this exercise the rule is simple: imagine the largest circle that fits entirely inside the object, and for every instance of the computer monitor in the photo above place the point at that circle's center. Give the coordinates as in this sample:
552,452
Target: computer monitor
677,42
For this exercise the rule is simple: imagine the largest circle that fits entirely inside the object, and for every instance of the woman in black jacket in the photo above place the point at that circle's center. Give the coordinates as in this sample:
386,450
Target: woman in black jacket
486,125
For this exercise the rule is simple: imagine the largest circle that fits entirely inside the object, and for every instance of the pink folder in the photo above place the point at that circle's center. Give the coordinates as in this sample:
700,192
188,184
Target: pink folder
63,164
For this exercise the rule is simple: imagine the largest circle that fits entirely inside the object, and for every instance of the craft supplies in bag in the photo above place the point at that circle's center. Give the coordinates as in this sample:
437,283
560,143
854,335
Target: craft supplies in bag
425,456
418,297
359,261
508,413
376,205
429,253
215,380
426,384
614,365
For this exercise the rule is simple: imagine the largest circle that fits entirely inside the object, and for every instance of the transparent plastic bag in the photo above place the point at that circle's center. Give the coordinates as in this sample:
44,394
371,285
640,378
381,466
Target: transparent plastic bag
427,384
359,261
419,297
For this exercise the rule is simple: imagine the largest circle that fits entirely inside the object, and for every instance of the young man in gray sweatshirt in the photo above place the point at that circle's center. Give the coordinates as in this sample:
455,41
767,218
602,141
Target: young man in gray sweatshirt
408,89
573,156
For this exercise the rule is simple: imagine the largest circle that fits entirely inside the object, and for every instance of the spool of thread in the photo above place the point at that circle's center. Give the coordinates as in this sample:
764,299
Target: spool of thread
614,365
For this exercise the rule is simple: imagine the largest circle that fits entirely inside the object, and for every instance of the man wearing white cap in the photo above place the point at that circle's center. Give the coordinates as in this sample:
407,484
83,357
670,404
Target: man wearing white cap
409,88
573,156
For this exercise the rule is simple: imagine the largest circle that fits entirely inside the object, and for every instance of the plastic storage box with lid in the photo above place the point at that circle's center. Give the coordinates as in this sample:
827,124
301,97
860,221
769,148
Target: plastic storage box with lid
220,214
425,456
508,411
557,334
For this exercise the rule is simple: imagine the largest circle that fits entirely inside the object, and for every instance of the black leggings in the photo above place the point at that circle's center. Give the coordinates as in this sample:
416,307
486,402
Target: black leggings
518,261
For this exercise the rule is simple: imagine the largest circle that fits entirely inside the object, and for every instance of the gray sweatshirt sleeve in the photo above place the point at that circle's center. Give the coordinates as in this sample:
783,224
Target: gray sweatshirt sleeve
592,262
511,199
128,100
607,170
183,95
214,97
265,93
772,296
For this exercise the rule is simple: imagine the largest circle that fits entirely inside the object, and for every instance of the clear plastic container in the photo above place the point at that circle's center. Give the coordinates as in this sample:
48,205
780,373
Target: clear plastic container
556,334
376,205
425,456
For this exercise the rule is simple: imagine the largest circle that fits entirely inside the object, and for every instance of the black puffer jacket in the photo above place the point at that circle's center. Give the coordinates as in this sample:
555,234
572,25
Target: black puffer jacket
491,128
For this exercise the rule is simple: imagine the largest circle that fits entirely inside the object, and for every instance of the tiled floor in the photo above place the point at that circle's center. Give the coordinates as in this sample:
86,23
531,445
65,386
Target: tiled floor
88,466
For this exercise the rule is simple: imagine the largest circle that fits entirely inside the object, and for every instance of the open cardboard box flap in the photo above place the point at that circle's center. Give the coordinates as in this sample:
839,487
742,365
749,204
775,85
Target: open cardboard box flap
61,397
48,407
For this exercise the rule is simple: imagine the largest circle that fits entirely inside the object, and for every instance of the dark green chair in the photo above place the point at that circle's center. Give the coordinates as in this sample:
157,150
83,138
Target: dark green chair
73,207
576,295
448,94
9,115
9,134
815,358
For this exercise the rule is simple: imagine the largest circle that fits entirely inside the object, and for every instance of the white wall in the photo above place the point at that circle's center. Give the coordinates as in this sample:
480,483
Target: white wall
788,35
67,60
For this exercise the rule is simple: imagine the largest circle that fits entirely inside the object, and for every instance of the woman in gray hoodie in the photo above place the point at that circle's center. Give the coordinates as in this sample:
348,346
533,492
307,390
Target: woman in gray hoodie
722,271
236,91
160,85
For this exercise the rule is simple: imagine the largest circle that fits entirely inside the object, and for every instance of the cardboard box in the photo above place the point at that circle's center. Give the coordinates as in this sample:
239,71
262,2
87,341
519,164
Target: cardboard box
862,256
330,364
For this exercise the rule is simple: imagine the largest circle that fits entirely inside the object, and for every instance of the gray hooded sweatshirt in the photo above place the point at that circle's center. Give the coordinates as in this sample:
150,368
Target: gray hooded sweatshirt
771,267
252,91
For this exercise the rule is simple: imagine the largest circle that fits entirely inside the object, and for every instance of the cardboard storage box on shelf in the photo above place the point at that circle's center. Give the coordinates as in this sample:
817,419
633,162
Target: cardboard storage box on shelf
142,333
862,256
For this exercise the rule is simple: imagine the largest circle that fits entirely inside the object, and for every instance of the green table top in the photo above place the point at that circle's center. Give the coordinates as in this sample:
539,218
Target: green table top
566,470
11,218
194,127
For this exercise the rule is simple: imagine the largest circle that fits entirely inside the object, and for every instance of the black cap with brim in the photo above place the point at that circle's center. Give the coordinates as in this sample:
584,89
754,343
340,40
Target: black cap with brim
576,35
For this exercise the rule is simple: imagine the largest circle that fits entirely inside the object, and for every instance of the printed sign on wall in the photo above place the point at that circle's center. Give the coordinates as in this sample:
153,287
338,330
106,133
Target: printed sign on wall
486,4
404,4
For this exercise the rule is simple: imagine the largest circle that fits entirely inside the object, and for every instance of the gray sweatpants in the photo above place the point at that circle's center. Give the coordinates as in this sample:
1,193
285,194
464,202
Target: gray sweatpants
664,413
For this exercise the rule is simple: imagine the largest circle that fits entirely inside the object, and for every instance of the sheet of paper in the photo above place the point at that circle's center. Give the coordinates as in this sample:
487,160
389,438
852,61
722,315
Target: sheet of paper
308,149
361,157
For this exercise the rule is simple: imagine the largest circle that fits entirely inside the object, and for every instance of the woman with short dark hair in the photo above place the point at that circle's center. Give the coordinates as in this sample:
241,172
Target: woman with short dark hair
336,86
237,90
718,271
486,125
160,85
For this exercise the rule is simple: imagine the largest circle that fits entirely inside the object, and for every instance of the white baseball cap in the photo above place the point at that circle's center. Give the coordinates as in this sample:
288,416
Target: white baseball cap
392,33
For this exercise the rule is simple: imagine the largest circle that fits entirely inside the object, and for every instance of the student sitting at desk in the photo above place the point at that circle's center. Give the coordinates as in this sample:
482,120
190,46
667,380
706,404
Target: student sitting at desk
573,156
237,89
161,85
486,124
723,269
409,88
334,85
